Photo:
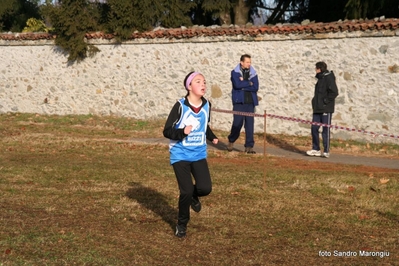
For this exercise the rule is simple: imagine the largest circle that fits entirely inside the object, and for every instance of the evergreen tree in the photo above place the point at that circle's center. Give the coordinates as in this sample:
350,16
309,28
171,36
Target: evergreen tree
175,13
71,20
356,9
126,16
361,8
15,13
326,10
333,10
221,9
228,11
121,19
390,9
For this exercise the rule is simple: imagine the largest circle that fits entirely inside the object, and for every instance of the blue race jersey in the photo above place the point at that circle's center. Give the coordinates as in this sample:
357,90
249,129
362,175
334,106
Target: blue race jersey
193,147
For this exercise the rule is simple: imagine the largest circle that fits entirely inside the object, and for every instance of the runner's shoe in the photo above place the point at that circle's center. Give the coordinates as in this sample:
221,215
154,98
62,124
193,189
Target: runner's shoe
180,231
314,153
195,204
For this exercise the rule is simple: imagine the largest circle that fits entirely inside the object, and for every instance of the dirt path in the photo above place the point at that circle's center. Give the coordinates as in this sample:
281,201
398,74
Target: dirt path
296,154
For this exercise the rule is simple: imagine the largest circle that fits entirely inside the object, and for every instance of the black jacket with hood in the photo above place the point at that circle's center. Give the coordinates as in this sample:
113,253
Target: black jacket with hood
325,92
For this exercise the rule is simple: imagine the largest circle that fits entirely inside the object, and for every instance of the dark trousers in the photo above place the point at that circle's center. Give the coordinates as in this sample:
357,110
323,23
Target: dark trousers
324,118
239,121
202,187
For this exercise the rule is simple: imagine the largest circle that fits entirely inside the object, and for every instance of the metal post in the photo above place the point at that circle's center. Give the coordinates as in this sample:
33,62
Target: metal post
264,150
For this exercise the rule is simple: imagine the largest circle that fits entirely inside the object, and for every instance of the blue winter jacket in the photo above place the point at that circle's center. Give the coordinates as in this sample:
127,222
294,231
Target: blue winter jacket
239,86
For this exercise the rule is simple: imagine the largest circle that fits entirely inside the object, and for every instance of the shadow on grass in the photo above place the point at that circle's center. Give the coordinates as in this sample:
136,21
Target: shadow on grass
220,146
282,144
389,215
269,139
153,200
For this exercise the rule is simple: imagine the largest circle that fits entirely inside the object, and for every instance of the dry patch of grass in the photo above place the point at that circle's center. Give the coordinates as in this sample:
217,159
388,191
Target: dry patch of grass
75,190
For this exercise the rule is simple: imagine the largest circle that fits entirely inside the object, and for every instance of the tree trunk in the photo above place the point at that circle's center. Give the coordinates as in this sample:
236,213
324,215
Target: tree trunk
241,13
225,17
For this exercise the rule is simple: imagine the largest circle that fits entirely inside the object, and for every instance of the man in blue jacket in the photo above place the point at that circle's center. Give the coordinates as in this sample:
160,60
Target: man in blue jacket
244,96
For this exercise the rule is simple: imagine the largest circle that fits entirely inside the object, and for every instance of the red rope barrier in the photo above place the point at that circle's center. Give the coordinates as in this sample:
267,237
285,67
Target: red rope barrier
374,134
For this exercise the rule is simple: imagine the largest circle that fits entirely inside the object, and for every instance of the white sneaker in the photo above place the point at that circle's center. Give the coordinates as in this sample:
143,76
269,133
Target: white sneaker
314,153
326,154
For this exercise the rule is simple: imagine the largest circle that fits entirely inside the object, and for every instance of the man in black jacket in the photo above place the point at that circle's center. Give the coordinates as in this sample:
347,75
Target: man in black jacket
323,104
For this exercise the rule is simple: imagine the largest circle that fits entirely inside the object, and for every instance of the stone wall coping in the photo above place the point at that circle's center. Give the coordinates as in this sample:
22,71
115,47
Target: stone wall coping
378,27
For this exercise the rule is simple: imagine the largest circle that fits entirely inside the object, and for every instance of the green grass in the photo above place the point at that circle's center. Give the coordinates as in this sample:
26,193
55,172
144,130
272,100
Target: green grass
76,191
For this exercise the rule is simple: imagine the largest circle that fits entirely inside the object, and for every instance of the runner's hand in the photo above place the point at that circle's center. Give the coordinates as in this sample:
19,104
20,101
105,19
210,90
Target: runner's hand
187,129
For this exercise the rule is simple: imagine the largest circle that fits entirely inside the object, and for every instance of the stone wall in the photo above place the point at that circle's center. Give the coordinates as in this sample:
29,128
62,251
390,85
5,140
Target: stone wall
143,79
